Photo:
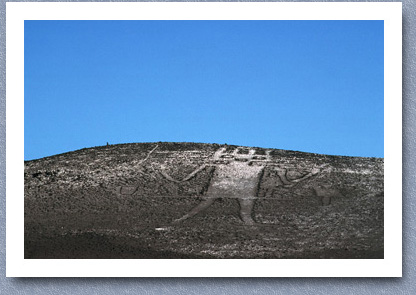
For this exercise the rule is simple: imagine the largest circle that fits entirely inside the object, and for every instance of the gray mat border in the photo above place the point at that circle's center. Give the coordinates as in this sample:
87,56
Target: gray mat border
405,285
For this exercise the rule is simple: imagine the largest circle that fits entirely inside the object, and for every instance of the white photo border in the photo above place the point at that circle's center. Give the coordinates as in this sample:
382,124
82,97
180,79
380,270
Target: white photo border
18,12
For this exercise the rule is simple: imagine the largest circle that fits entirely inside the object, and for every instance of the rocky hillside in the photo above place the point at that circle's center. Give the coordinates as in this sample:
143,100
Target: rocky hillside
120,201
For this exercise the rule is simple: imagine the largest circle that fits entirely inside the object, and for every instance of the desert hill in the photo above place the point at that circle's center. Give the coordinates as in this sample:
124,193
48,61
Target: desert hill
120,201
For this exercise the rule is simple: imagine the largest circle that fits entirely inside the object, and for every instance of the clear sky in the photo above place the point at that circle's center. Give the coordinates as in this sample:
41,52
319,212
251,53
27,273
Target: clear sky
312,86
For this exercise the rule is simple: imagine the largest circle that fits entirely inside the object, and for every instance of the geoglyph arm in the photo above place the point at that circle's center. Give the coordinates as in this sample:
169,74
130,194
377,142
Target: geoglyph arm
195,172
216,157
315,171
167,176
132,189
281,172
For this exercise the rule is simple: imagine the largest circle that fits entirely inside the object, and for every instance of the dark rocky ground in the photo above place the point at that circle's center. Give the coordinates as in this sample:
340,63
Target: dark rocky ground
72,209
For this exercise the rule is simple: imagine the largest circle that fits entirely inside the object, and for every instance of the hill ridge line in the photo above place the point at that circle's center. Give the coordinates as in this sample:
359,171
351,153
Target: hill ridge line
202,144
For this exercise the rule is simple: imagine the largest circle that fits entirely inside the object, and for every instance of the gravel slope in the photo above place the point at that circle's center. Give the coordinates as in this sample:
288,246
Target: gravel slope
117,202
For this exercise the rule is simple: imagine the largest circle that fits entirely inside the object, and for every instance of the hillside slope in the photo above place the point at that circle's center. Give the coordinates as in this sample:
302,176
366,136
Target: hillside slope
120,201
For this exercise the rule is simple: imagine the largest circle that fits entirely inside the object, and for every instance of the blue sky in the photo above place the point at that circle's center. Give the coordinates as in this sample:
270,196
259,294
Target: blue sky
313,86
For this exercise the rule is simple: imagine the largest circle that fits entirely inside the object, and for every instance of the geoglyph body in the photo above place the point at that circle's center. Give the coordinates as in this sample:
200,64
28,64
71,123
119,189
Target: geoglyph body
237,174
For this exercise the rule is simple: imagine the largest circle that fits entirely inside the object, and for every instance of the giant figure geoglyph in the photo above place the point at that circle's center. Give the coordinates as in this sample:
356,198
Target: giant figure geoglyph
237,174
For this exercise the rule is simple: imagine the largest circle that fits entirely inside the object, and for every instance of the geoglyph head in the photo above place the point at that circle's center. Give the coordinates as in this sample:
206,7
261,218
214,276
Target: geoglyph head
241,154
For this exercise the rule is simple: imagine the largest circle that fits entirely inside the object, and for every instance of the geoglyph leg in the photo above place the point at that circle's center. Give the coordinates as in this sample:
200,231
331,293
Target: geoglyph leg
246,209
204,204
